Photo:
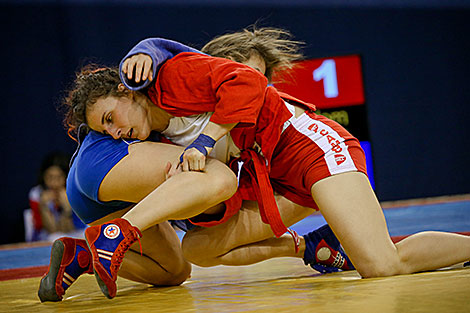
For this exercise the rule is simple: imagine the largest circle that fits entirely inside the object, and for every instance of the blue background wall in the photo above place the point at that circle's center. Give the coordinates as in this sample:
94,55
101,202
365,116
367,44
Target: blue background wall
415,59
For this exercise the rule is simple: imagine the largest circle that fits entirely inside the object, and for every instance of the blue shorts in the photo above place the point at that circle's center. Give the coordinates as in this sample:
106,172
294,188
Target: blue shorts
96,155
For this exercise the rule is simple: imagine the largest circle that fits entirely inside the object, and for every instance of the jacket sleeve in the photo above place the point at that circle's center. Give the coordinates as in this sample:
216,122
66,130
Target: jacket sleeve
159,50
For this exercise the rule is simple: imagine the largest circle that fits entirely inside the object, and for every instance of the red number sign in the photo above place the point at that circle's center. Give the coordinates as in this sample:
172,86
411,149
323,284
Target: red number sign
327,83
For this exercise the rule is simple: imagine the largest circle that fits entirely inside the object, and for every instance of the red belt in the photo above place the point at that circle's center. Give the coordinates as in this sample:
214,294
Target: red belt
261,186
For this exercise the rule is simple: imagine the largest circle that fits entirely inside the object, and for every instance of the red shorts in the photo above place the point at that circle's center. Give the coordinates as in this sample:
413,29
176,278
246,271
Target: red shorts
311,148
232,206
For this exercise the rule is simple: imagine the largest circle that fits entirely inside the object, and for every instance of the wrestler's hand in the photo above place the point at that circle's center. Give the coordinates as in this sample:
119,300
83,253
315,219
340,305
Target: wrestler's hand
194,160
141,64
172,169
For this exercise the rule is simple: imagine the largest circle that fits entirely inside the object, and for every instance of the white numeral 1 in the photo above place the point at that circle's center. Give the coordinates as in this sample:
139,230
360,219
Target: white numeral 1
327,73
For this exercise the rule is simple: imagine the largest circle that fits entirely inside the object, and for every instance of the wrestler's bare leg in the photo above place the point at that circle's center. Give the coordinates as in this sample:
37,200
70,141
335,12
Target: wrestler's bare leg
136,178
352,210
161,262
140,177
244,238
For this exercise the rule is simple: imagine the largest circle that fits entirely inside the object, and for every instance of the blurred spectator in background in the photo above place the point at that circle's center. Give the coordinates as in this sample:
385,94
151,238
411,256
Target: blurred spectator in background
51,216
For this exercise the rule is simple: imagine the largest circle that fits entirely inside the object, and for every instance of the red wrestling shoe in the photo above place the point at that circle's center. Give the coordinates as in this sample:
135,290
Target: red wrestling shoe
108,243
70,258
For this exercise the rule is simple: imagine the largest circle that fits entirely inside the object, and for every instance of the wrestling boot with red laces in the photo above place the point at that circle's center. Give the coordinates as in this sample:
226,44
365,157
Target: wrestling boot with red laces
108,243
324,253
70,258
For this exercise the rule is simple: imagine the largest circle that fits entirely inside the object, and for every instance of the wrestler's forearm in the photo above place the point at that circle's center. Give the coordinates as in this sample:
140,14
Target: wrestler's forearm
217,131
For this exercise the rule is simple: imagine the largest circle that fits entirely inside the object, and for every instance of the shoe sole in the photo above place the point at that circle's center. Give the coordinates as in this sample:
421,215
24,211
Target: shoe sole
103,287
47,291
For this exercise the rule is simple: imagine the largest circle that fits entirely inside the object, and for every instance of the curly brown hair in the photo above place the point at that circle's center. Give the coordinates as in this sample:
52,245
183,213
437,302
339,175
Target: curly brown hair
274,45
91,83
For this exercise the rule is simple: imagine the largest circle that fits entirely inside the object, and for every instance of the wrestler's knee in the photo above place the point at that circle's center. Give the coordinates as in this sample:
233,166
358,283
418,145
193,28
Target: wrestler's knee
178,269
378,266
154,274
223,180
226,185
176,278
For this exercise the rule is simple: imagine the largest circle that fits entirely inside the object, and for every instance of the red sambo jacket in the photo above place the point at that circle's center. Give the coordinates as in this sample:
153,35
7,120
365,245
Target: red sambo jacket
193,83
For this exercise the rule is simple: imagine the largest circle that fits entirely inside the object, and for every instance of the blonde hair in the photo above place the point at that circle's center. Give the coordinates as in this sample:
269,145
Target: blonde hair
274,45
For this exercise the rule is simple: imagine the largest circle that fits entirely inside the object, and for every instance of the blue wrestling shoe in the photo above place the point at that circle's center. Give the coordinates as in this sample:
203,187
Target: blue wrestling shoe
466,264
70,258
324,253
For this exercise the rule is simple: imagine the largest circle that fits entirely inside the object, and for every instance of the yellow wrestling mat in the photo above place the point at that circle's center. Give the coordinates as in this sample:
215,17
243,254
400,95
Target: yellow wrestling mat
277,285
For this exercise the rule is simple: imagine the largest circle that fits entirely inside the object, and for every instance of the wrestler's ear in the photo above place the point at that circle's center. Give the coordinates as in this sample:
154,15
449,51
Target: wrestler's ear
126,91
121,87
